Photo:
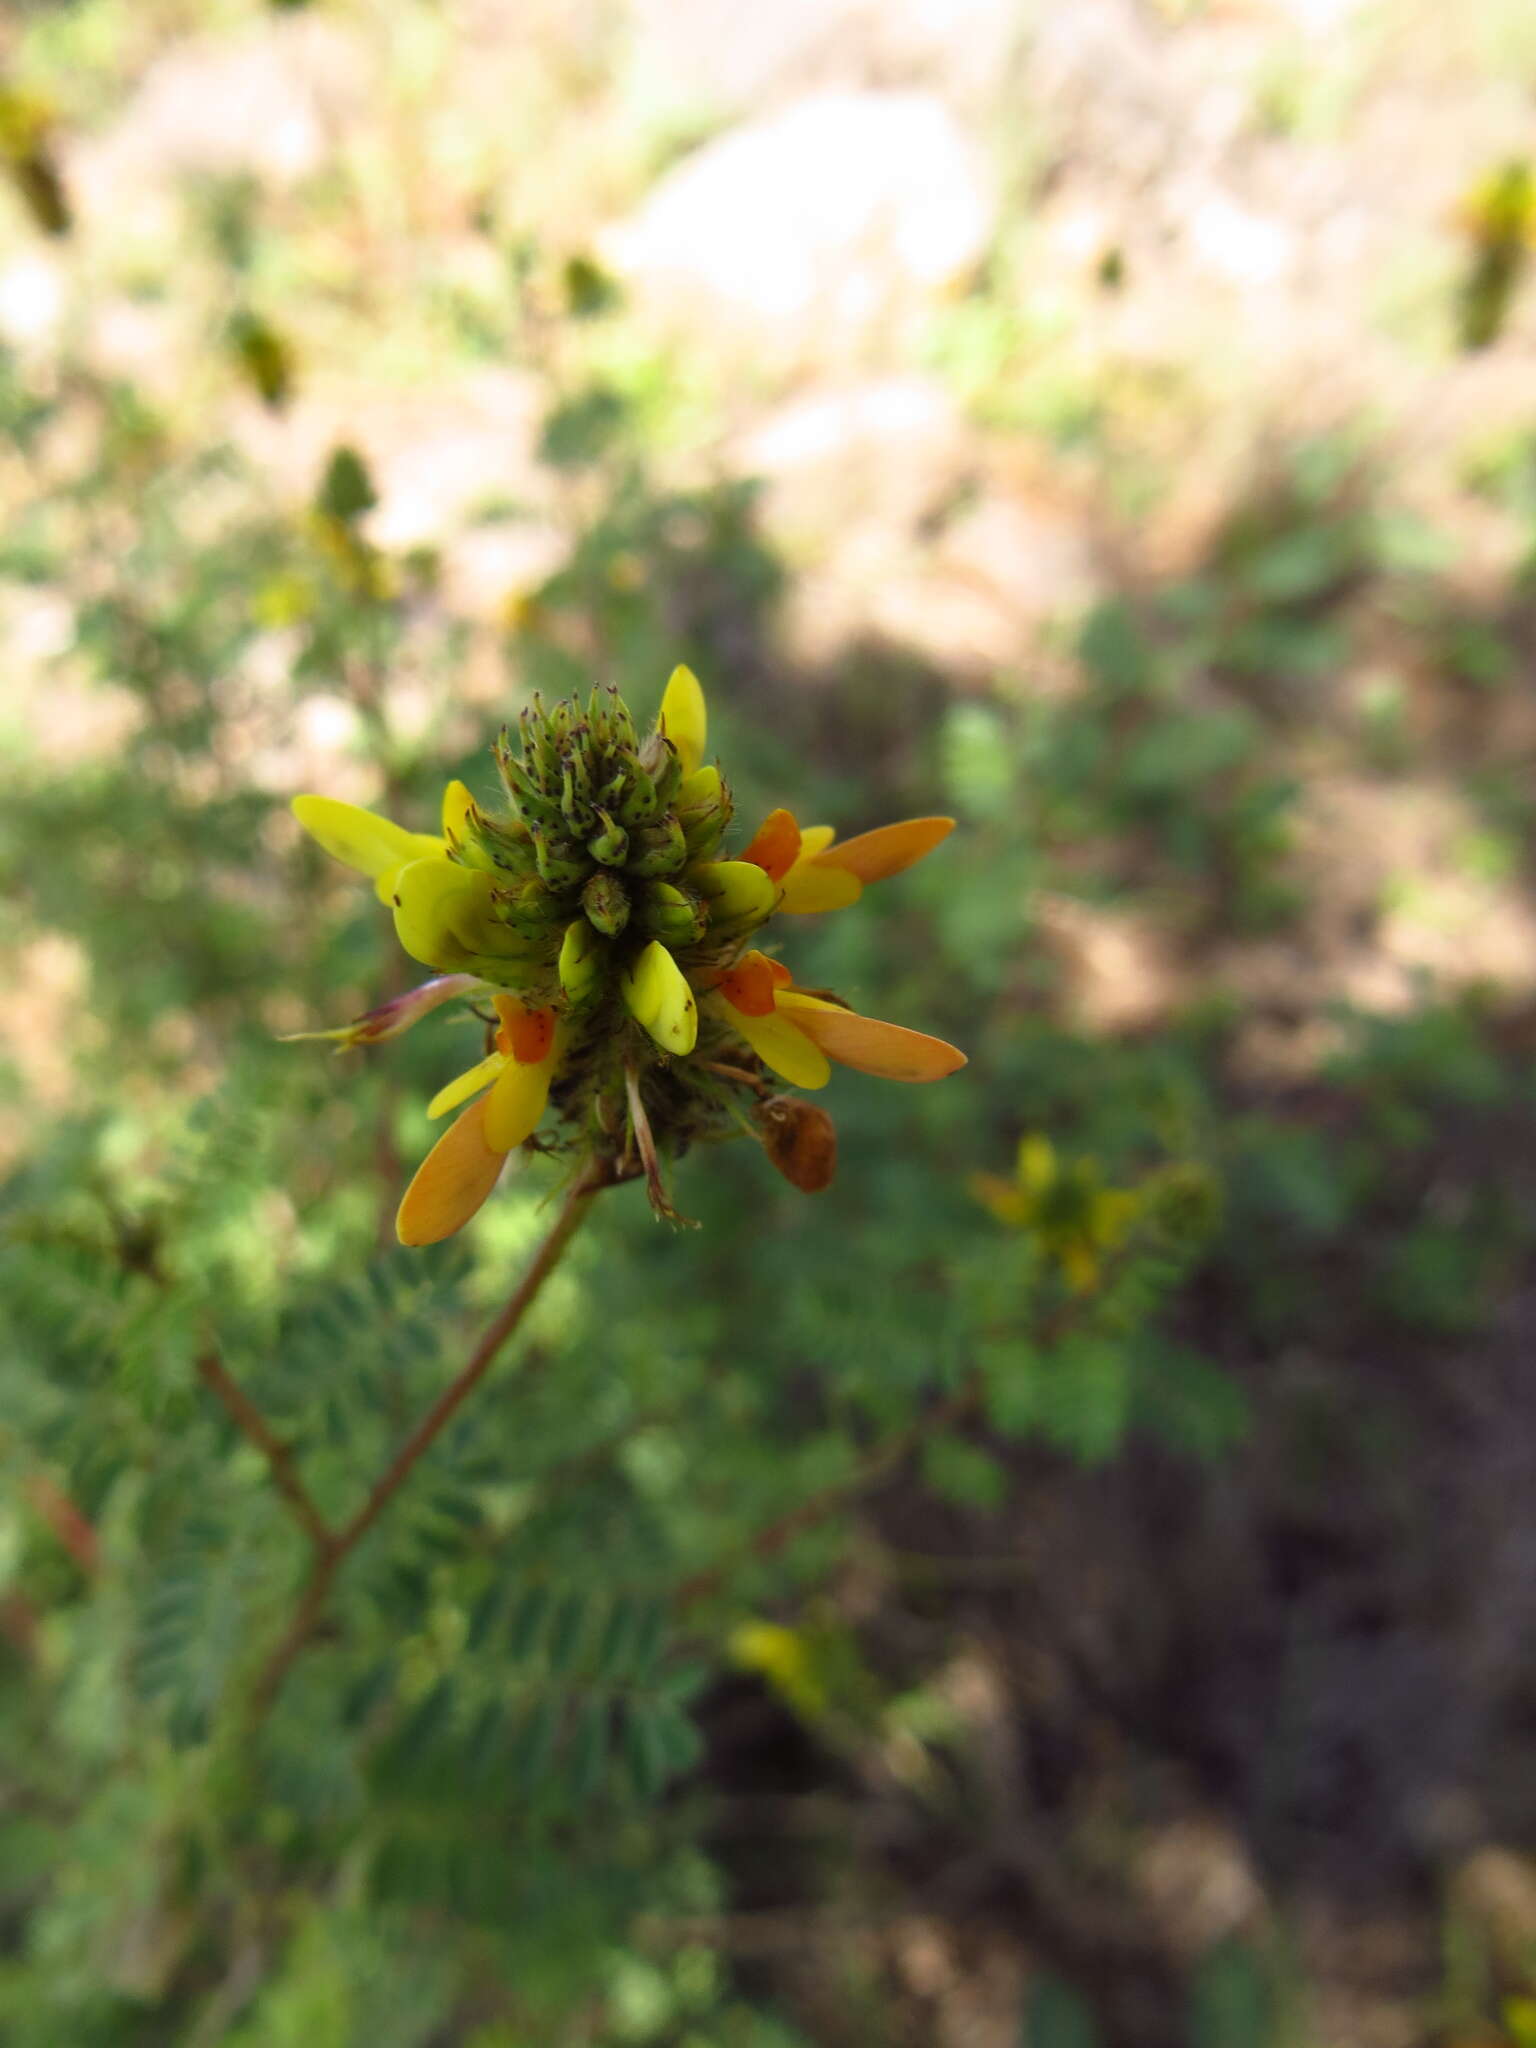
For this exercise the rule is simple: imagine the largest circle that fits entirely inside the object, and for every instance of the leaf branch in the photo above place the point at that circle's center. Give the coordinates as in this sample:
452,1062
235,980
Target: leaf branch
333,1547
250,1421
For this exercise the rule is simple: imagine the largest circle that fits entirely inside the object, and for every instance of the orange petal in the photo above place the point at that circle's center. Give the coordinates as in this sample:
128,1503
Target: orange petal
775,846
532,1036
525,1035
451,1182
749,985
888,1051
874,856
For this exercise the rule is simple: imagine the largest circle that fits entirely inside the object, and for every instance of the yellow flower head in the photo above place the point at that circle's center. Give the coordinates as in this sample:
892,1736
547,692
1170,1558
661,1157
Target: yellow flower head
1065,1206
599,913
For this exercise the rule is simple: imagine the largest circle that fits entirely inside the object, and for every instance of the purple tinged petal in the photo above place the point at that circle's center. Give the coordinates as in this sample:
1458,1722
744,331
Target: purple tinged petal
400,1012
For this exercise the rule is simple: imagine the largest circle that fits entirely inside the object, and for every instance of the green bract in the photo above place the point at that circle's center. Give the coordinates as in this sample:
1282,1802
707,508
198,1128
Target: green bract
601,856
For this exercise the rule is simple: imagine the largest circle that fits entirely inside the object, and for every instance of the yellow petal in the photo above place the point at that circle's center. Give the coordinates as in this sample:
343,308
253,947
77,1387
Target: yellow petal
444,915
889,1051
1000,1196
873,856
467,1084
780,1045
385,880
657,996
451,1182
516,1103
683,718
458,806
362,839
704,786
1079,1266
810,887
1037,1163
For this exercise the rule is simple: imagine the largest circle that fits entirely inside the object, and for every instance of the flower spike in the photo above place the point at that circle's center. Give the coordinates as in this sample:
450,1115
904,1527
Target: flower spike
599,907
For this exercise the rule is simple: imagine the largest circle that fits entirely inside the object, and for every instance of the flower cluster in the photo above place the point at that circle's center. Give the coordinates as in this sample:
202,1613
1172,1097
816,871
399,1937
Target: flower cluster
1081,1226
1065,1206
607,943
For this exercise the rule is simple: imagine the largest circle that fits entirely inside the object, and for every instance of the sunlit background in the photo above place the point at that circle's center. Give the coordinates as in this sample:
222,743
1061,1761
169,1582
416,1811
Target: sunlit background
1113,422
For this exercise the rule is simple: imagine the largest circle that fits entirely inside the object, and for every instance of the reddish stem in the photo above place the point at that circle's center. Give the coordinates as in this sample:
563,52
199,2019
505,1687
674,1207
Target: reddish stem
333,1552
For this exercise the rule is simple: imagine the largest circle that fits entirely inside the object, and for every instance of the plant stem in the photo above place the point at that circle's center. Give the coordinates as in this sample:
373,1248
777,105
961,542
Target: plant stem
250,1421
69,1525
333,1549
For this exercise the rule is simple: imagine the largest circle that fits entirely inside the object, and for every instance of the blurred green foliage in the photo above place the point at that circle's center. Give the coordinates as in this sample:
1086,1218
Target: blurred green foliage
509,1645
462,1785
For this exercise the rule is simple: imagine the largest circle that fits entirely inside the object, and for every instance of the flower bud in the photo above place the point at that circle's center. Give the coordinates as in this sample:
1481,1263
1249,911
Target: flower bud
527,906
506,841
670,914
446,916
609,845
533,807
583,962
606,902
657,996
658,849
538,748
576,775
664,766
703,809
641,803
560,863
739,895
